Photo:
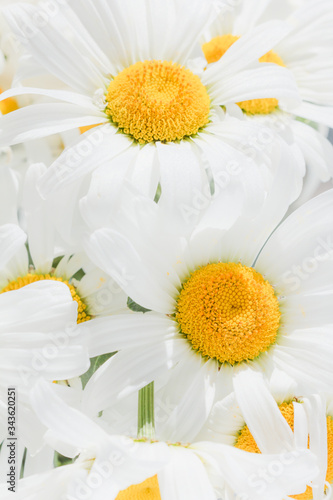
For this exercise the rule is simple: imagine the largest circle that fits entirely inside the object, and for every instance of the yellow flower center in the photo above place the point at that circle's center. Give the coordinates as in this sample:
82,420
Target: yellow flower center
158,101
148,490
245,441
32,278
217,47
228,312
8,105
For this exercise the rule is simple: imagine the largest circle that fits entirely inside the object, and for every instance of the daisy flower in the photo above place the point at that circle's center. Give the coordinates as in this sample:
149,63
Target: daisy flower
125,68
307,45
224,294
36,340
259,419
125,468
93,291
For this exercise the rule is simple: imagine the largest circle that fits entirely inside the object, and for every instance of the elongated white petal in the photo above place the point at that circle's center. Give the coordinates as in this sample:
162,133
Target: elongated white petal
45,305
110,334
185,477
41,234
243,471
8,195
305,241
11,239
196,388
51,49
68,423
62,95
261,413
115,254
91,150
41,120
130,370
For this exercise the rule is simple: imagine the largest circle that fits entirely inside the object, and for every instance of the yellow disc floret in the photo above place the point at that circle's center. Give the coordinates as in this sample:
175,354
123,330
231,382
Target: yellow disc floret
158,101
218,46
33,277
8,105
148,490
228,312
245,441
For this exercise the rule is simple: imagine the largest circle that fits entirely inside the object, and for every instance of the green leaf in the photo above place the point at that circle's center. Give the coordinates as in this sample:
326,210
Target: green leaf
133,306
95,363
60,460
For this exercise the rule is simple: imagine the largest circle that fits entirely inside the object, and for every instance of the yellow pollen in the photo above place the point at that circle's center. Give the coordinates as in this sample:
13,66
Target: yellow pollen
245,441
32,278
228,312
148,490
218,46
158,101
8,105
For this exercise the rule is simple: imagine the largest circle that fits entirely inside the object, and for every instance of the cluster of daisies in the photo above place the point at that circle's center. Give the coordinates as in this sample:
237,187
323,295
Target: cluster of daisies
166,250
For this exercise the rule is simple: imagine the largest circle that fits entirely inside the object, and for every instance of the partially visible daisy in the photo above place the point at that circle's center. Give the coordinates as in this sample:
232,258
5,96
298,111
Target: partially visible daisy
227,293
124,468
91,288
125,68
306,51
36,339
259,419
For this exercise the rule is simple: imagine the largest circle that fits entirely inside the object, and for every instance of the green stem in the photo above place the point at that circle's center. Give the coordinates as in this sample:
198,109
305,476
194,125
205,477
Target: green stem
146,417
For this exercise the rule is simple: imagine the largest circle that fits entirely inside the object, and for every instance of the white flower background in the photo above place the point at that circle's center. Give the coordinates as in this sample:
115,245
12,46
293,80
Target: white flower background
166,249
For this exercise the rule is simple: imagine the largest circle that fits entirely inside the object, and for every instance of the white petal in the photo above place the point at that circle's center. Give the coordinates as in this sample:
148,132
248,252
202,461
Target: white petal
51,49
69,424
63,95
309,362
41,120
11,239
182,181
117,332
243,471
8,195
301,428
130,370
298,256
316,410
261,413
320,114
115,254
192,384
44,305
185,477
317,150
91,150
41,235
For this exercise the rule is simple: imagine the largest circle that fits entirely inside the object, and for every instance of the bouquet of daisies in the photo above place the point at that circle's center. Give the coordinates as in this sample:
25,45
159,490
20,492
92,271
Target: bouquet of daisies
166,250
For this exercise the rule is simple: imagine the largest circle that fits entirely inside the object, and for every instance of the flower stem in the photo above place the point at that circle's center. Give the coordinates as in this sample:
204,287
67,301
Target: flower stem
146,417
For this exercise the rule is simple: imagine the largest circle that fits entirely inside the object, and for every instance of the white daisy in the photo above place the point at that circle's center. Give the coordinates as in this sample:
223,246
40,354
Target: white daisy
36,340
306,51
90,287
125,468
225,281
257,420
109,56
